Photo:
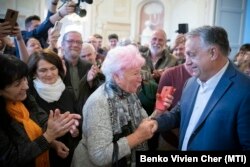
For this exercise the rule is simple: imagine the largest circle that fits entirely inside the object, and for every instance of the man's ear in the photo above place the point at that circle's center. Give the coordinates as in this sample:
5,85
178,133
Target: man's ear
213,53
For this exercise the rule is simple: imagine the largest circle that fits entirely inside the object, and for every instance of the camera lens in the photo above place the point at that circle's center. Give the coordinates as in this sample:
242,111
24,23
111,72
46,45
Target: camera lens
81,12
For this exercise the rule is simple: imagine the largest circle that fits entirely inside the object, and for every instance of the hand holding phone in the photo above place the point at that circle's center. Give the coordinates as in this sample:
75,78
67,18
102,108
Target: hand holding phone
166,90
11,17
5,28
56,29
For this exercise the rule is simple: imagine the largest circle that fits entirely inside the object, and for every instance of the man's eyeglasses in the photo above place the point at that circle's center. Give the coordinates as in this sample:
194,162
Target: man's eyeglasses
72,42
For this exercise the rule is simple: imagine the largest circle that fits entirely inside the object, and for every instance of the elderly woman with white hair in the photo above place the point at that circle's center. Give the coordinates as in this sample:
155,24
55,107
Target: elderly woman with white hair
114,124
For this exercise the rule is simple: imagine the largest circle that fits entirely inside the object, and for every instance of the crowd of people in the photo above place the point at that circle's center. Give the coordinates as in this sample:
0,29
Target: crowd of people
82,104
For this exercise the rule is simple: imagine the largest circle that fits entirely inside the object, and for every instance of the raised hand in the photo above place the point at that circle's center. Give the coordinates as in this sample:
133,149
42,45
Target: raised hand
157,73
93,72
5,29
168,100
67,8
17,32
59,124
74,131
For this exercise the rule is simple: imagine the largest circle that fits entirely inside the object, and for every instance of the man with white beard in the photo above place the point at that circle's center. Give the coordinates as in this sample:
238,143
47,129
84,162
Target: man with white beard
158,56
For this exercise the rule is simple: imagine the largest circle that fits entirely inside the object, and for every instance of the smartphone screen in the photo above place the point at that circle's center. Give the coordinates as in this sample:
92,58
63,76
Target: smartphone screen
11,16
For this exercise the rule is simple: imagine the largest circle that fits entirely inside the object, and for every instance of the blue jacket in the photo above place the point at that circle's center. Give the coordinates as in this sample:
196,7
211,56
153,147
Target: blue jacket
225,122
40,33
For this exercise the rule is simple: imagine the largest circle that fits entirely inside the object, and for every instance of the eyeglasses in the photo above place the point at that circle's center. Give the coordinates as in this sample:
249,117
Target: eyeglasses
72,42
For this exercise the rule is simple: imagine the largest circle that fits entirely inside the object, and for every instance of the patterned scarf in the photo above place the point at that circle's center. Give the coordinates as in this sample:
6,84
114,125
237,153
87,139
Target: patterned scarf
126,114
19,112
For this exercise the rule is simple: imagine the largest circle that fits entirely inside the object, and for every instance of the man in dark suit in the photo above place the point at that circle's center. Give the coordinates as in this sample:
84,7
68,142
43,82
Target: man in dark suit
214,110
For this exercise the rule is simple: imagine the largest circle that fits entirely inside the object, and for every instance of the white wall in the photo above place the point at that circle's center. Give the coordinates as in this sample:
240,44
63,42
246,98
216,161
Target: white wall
105,19
25,8
122,16
194,12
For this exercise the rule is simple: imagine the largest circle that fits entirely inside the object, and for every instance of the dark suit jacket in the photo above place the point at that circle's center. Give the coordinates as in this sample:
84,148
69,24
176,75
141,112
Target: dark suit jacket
65,103
225,122
84,89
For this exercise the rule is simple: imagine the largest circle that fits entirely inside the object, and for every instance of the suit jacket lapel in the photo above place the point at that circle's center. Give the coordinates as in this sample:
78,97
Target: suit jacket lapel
187,104
218,93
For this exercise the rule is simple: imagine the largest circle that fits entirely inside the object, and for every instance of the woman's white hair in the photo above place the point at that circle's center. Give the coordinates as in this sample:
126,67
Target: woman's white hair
120,59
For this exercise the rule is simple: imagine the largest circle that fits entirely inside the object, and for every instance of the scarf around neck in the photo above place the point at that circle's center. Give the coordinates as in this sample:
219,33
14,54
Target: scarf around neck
126,115
19,113
49,92
126,107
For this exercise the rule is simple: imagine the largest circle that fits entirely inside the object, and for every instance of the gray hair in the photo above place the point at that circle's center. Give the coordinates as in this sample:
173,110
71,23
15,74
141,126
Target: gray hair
212,35
88,46
69,32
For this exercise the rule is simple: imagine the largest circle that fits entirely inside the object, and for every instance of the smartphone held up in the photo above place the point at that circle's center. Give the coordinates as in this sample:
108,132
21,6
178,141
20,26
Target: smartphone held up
57,29
11,17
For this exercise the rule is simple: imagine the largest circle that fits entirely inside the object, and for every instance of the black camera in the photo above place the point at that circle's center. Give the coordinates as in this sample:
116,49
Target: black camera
87,1
78,9
81,12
